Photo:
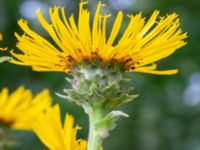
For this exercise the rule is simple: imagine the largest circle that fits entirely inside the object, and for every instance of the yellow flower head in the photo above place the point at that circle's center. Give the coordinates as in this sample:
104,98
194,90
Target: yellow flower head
1,38
19,109
55,136
143,42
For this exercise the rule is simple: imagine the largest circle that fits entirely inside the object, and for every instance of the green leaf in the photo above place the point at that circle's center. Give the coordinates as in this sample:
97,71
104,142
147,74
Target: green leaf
108,123
4,58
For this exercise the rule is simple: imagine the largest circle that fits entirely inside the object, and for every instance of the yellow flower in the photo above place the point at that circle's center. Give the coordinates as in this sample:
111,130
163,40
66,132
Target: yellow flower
19,109
141,45
1,38
55,136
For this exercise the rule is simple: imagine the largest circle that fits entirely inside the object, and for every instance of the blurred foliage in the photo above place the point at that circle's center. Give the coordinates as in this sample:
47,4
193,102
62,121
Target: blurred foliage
162,118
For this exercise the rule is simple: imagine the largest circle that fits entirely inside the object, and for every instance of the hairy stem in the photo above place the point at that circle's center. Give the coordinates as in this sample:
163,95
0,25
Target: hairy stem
94,140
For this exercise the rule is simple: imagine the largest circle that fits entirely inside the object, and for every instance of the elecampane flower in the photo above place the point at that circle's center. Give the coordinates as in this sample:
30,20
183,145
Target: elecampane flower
55,136
143,42
19,109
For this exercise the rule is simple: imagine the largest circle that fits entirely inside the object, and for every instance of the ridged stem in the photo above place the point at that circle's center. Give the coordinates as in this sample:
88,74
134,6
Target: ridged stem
94,139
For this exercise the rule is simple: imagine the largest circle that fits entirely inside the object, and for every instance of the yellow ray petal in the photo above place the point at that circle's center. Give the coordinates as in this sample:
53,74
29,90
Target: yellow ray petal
142,43
20,109
55,136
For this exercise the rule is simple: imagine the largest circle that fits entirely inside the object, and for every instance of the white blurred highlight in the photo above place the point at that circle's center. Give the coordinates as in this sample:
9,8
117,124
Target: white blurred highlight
29,8
191,94
122,4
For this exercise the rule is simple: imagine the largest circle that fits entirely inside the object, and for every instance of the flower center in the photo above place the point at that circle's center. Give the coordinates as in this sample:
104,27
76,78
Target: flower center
6,123
67,62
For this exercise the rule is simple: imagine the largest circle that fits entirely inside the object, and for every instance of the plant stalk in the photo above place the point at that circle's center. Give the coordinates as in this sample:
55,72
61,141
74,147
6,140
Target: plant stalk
94,139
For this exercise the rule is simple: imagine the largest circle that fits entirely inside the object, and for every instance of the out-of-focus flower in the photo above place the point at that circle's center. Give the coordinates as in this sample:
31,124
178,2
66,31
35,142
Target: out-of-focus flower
19,109
142,44
1,38
55,135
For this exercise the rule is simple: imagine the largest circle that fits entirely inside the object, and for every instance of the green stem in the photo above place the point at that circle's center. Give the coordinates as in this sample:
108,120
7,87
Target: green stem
94,139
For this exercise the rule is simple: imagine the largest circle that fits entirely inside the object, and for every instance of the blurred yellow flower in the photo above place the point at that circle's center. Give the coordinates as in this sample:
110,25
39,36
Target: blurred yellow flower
55,136
19,109
1,38
141,45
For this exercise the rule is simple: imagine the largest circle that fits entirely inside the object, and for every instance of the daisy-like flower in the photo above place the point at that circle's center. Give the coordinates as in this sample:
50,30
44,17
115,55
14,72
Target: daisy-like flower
19,109
143,42
55,135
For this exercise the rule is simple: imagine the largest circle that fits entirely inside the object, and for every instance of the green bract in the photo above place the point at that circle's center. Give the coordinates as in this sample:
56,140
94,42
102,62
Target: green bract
99,89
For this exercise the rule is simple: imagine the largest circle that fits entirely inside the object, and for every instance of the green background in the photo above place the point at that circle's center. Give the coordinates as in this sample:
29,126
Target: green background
166,115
